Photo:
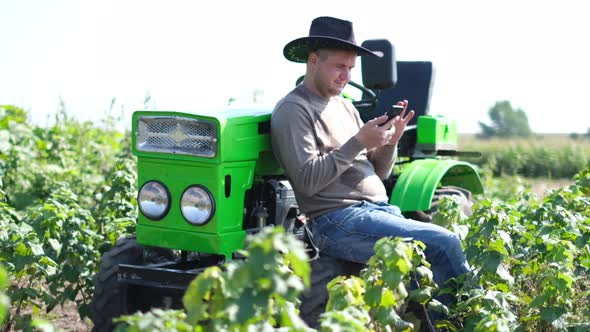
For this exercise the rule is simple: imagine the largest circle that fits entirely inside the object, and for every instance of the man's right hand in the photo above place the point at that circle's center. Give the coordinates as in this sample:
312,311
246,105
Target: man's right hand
379,131
376,133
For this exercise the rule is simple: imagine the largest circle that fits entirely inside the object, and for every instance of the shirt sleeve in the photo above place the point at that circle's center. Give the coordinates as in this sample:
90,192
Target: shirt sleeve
382,159
295,147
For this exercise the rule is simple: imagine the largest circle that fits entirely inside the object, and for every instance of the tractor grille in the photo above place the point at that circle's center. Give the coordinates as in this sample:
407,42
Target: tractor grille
176,135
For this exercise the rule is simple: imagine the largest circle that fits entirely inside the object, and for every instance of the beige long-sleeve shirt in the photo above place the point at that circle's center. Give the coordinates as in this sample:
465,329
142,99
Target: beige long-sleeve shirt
313,140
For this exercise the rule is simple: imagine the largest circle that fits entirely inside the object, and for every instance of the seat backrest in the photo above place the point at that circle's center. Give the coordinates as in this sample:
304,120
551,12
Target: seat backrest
414,83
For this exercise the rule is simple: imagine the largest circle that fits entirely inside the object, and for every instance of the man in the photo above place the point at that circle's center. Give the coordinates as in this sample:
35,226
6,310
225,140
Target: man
336,163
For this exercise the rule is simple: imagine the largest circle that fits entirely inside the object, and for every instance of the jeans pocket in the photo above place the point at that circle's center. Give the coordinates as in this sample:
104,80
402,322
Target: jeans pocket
391,209
322,242
322,228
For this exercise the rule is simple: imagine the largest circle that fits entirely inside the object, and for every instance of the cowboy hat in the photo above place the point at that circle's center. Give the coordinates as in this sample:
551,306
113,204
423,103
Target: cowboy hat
325,32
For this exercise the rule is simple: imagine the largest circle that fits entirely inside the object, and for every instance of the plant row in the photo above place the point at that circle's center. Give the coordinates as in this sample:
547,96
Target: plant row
559,157
67,192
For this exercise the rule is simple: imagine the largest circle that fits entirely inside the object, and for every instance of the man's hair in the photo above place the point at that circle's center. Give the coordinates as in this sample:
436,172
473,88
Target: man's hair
322,53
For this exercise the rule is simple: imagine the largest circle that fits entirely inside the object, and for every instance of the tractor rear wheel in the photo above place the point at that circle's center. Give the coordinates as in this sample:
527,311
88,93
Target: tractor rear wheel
323,270
462,193
110,297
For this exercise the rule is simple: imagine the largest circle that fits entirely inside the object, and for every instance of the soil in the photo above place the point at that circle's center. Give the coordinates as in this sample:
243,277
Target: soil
67,318
541,187
64,318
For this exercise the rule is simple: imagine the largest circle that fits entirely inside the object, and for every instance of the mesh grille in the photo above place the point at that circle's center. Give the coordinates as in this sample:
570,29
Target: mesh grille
160,127
177,135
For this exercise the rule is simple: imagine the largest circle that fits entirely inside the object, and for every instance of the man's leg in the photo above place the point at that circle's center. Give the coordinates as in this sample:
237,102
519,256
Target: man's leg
351,233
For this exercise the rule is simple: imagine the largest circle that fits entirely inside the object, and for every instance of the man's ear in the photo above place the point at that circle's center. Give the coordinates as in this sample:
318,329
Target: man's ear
313,58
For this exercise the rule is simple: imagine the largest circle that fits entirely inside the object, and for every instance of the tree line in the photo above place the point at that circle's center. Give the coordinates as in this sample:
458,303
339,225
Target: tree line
508,122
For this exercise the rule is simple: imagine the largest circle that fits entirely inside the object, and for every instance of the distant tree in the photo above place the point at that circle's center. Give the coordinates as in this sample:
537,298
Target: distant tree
588,133
506,122
574,135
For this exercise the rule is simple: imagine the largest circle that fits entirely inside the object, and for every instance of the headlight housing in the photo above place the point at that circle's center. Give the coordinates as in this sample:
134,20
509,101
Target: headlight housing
153,200
171,134
197,205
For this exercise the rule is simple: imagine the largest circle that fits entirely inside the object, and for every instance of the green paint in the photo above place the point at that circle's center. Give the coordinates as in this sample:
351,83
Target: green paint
436,131
416,185
243,153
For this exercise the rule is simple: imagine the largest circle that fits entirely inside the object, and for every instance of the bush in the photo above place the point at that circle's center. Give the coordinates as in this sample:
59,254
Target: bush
66,191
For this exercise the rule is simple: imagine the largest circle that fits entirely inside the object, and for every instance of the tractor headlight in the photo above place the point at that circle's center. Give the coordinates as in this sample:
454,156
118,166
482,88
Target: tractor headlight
153,200
197,205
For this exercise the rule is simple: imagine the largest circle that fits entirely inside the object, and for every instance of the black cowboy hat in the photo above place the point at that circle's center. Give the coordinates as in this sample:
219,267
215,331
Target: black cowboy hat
325,32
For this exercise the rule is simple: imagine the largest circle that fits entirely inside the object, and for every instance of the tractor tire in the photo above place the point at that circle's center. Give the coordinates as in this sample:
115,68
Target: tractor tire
323,270
110,299
426,216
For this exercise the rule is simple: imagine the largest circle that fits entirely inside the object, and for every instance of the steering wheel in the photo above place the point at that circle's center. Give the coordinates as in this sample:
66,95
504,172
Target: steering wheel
363,105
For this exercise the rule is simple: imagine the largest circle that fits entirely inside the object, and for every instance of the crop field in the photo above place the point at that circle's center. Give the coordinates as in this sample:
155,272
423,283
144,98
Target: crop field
68,192
551,156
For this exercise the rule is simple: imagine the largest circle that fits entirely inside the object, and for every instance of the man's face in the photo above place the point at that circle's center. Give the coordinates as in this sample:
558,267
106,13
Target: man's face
331,70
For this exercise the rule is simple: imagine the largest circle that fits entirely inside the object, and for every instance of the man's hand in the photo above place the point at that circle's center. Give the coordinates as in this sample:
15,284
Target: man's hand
399,123
379,132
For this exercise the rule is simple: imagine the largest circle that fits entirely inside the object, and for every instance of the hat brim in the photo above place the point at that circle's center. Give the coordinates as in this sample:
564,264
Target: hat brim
299,49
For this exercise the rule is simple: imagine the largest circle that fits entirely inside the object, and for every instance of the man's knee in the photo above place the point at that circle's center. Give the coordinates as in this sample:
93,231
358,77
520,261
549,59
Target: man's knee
444,243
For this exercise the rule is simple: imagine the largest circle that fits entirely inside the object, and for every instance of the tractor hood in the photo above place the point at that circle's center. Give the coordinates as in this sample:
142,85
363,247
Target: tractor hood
214,136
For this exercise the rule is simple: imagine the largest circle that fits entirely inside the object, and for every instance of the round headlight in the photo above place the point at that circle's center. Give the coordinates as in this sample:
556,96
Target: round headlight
153,200
197,205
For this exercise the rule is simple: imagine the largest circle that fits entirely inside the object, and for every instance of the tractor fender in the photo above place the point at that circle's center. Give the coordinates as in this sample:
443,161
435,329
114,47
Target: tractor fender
418,181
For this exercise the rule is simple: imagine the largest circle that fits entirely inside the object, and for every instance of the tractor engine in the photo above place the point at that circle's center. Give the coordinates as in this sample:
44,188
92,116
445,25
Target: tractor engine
271,202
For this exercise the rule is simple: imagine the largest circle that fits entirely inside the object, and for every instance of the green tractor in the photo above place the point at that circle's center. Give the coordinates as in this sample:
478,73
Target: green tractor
208,180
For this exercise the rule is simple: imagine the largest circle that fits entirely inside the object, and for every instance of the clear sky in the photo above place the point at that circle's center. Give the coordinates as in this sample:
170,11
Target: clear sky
190,55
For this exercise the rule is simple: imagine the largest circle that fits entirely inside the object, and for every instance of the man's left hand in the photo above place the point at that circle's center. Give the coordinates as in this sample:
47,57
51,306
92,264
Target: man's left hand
398,124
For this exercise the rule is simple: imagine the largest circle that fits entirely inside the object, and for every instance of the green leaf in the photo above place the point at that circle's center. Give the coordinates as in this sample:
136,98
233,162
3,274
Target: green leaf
491,261
391,320
392,278
4,300
344,292
552,314
498,245
298,261
21,249
420,295
350,319
424,274
200,291
502,287
373,295
388,299
436,306
539,300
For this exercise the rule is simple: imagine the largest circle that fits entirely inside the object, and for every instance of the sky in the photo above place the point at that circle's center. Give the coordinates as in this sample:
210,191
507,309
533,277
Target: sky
196,55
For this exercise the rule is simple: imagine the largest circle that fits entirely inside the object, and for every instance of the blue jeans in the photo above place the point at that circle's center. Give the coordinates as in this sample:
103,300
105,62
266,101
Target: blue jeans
350,234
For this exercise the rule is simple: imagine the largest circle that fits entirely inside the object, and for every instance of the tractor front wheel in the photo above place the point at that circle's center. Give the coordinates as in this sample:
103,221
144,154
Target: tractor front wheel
110,297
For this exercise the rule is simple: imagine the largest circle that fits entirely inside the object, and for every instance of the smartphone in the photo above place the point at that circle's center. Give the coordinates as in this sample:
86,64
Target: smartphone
395,111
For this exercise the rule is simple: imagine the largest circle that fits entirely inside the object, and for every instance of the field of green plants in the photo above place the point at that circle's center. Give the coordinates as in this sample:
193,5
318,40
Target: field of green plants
67,192
546,156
